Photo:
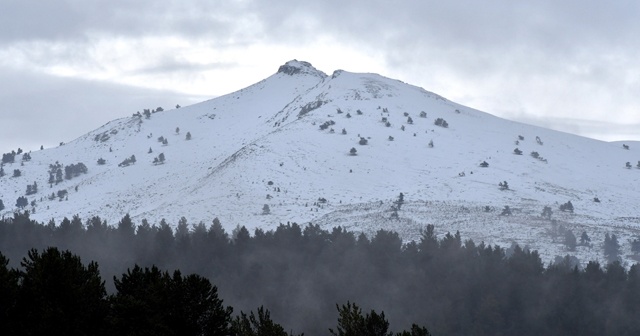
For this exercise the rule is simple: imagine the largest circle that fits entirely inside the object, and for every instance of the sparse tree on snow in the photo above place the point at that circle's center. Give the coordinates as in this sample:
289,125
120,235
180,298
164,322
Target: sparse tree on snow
611,247
584,238
570,240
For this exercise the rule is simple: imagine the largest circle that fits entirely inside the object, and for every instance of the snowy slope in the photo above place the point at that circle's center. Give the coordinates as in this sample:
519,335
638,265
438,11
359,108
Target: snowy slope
264,145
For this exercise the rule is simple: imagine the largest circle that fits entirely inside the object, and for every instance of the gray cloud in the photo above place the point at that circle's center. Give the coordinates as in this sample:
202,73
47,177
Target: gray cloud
567,59
407,31
570,58
173,65
67,20
487,25
45,110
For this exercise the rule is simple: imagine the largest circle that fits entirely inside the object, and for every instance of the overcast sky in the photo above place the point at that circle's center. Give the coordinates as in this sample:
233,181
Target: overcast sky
68,67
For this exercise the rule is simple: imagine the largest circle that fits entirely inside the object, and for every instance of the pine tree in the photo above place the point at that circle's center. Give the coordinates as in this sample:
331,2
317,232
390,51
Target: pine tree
635,246
570,240
257,325
611,247
125,227
9,157
59,175
22,202
62,194
8,294
351,322
415,330
567,206
151,302
59,295
506,211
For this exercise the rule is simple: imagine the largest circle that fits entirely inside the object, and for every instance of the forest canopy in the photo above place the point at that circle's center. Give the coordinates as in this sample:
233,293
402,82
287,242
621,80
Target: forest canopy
305,276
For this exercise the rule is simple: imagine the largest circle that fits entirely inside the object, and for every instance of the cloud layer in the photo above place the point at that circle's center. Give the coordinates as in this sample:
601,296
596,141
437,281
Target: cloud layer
520,60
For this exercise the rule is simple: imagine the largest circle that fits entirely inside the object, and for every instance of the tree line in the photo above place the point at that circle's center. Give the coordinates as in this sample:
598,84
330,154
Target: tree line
54,293
299,274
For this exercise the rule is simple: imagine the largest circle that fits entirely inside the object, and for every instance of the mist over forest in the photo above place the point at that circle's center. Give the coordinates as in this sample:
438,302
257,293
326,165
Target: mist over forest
301,274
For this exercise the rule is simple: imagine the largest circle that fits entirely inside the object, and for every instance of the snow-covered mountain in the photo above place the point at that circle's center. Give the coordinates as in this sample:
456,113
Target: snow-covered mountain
286,142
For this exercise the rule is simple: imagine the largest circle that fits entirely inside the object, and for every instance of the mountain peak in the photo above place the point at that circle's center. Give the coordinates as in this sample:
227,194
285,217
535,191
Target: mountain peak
295,67
287,142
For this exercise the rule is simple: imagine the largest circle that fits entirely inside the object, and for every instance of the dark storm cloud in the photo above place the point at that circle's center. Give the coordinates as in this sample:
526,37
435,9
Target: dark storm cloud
45,110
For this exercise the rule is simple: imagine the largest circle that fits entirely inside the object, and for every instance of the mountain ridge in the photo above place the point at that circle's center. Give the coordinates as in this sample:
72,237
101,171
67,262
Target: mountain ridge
271,132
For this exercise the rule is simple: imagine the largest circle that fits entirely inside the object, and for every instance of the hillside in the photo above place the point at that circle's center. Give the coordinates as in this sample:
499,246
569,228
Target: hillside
265,145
